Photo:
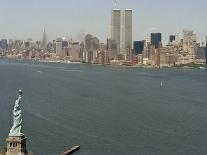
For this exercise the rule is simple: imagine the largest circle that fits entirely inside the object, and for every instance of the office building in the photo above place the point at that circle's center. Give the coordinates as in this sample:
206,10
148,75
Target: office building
116,27
59,48
91,43
156,39
126,34
172,38
44,41
3,44
139,47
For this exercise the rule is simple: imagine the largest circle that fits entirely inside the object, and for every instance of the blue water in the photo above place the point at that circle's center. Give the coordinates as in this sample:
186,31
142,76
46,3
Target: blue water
106,110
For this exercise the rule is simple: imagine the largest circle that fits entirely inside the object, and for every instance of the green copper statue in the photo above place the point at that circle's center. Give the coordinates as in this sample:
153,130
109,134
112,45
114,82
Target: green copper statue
17,117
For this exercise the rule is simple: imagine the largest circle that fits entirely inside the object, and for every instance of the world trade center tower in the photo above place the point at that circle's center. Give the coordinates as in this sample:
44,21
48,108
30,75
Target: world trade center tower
121,29
126,33
116,27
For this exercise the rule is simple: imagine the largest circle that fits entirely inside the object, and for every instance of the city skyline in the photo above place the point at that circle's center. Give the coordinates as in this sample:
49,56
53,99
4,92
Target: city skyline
75,19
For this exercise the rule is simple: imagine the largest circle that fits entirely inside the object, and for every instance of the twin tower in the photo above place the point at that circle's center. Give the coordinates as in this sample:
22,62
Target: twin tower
121,29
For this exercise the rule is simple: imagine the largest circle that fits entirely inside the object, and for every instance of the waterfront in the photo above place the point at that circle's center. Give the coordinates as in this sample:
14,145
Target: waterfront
105,109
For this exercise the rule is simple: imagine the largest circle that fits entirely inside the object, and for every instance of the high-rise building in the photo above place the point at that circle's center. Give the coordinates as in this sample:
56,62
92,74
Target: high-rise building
189,42
126,34
116,27
44,41
91,43
59,47
156,39
172,38
139,47
206,41
3,44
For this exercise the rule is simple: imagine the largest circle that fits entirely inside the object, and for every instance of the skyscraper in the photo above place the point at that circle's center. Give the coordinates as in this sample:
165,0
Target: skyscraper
139,47
44,41
156,39
206,41
126,34
172,38
116,27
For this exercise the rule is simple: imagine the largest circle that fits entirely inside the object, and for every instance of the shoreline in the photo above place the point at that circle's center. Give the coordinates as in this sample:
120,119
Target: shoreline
188,66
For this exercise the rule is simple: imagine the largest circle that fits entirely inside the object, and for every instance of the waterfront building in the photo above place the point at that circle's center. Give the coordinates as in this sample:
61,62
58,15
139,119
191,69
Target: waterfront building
81,54
168,56
116,27
200,55
139,47
189,37
156,39
129,55
146,52
74,51
89,56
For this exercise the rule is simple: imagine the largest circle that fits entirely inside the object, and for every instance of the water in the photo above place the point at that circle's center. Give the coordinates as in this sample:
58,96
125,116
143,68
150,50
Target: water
106,110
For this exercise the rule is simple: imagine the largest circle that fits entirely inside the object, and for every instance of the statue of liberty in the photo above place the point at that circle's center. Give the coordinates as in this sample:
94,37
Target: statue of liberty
17,117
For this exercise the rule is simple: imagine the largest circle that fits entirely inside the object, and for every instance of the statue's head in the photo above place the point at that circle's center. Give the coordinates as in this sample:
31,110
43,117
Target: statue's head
20,92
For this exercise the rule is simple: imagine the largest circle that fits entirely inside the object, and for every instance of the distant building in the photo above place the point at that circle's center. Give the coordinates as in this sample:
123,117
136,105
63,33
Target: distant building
89,56
126,27
59,48
3,44
206,55
44,41
206,41
91,43
111,45
74,51
116,27
201,55
139,47
65,44
172,38
156,39
189,42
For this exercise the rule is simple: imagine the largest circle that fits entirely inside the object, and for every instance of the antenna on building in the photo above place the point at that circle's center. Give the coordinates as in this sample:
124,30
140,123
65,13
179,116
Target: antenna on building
115,3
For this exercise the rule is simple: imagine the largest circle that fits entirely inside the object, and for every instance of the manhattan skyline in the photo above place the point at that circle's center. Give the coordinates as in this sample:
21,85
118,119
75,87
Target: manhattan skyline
74,19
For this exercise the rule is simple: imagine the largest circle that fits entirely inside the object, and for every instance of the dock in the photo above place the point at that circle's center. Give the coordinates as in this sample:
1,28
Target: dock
71,150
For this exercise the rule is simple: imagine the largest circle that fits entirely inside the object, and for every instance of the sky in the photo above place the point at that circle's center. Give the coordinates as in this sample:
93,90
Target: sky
22,19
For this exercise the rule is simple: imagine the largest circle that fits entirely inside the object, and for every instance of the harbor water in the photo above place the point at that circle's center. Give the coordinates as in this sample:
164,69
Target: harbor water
107,110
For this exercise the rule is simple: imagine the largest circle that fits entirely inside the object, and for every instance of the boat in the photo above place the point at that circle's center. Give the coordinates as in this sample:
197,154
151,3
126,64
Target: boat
202,67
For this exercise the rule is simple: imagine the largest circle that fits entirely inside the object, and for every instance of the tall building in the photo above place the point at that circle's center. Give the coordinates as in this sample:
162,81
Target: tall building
116,27
189,42
206,41
44,41
59,48
126,34
139,47
172,38
156,39
91,43
3,44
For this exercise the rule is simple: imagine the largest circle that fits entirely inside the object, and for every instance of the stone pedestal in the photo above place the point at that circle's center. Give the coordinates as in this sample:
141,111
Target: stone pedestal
16,145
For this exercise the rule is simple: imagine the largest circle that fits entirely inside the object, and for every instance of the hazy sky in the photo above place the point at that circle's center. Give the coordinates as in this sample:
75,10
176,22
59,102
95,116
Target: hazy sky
75,18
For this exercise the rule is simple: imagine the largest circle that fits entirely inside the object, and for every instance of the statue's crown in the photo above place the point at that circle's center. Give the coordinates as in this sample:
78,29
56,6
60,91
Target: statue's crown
20,92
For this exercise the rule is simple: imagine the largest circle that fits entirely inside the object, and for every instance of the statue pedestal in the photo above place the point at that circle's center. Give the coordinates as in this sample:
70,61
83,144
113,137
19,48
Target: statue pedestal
16,145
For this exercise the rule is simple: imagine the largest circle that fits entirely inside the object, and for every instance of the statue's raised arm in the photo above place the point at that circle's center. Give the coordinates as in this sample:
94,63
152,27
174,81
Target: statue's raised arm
17,117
